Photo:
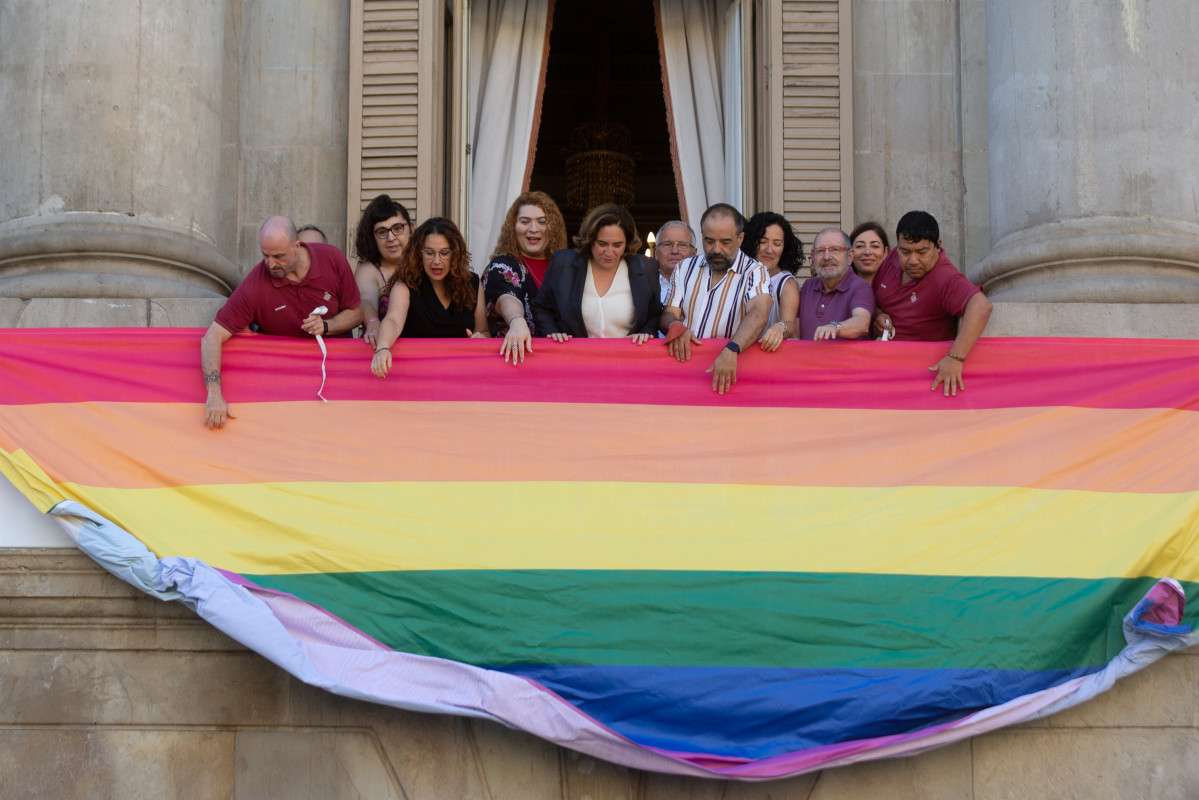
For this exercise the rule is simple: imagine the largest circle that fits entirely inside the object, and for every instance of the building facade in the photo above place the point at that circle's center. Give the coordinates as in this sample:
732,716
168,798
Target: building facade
144,144
147,144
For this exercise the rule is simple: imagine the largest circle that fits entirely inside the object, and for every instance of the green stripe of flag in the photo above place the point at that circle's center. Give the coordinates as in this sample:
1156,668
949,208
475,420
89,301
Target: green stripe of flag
730,619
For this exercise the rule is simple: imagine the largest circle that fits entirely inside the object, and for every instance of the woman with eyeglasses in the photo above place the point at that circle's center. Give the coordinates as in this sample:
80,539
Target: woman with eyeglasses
601,288
379,245
433,294
770,239
870,247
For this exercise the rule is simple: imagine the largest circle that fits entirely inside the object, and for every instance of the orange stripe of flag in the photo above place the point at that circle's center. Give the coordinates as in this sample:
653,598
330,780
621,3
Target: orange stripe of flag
125,445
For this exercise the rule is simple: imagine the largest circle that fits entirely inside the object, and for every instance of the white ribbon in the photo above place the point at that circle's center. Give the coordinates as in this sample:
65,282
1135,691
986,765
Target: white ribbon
324,352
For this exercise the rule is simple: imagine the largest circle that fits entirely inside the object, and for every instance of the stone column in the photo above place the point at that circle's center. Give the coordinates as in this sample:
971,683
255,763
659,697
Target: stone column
908,107
1093,152
111,169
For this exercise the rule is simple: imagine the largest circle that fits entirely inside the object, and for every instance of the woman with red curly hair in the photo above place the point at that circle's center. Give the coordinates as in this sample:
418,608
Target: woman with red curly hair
533,230
433,294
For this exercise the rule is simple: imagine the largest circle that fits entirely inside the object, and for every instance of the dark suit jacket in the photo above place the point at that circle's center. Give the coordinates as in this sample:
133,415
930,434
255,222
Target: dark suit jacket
559,304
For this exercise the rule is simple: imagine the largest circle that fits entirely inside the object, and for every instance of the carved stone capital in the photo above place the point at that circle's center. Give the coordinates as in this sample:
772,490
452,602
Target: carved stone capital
84,254
1095,260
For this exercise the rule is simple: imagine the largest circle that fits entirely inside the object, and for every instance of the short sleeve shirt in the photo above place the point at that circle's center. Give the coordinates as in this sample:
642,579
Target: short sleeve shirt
715,311
279,305
925,310
818,307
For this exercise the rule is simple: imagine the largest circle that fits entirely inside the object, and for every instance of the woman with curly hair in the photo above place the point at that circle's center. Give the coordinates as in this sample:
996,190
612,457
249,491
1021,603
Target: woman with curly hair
602,288
433,294
770,239
379,244
533,229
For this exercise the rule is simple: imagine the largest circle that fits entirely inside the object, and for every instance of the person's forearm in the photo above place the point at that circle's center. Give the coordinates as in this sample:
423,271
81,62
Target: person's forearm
666,319
369,309
210,363
545,312
752,324
857,326
789,309
345,320
650,326
973,323
510,309
389,331
365,278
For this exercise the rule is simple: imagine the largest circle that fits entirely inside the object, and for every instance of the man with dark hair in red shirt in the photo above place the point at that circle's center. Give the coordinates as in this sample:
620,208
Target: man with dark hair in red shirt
922,296
280,295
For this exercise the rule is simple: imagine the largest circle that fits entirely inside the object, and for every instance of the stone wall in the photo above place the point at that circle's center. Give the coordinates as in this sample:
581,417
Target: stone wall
107,693
146,142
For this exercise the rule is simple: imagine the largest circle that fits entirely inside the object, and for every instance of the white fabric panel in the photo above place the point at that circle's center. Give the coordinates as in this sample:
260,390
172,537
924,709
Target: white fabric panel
507,38
693,44
734,185
24,525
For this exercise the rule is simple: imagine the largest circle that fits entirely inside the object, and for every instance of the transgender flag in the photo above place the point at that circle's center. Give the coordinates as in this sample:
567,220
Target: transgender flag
829,564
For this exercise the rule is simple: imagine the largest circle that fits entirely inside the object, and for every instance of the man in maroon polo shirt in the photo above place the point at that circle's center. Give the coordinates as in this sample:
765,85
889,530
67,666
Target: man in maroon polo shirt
279,295
922,296
835,303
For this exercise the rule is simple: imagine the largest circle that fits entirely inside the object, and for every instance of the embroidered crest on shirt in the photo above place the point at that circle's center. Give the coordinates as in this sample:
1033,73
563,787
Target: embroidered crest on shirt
330,297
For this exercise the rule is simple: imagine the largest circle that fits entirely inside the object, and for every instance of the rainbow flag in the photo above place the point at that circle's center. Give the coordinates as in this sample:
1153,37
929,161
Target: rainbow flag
829,564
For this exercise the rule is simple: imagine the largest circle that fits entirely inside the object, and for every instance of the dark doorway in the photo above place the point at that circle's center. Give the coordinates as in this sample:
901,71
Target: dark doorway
604,83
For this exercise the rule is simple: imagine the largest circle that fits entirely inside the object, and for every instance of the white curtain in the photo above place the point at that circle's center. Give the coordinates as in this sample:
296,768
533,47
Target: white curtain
734,186
507,44
702,53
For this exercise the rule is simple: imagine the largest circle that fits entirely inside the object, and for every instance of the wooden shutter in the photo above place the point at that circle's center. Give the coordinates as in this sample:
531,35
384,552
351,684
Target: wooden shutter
817,122
384,102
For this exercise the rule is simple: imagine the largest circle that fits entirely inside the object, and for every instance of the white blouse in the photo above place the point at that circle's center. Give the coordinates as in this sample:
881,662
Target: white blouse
610,316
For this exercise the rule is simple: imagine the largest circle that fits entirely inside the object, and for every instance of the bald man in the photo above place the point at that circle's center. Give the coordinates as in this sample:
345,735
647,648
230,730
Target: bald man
279,295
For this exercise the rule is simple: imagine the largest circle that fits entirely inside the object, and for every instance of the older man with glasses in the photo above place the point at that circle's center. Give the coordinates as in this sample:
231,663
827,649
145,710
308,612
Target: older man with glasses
835,303
676,242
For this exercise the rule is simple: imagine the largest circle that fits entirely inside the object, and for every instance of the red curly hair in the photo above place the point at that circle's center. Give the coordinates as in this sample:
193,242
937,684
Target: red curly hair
555,234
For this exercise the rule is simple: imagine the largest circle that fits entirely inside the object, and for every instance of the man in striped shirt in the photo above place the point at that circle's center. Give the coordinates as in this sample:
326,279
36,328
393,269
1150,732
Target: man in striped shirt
722,293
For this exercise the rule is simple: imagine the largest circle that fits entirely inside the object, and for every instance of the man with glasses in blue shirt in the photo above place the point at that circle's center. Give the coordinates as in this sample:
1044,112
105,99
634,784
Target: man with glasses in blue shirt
676,242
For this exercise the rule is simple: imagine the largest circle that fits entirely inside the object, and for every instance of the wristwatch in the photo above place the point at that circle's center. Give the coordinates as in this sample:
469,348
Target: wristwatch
836,325
736,348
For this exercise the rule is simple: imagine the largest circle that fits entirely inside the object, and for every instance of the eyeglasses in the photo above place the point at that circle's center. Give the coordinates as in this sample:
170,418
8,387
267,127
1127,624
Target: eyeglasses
397,230
675,246
833,251
432,255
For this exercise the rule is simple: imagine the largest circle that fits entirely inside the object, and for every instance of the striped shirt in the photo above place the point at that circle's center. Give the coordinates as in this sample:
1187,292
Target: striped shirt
715,311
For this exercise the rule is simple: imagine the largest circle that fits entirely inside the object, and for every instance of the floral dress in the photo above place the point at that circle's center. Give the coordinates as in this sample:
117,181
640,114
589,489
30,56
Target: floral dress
505,275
